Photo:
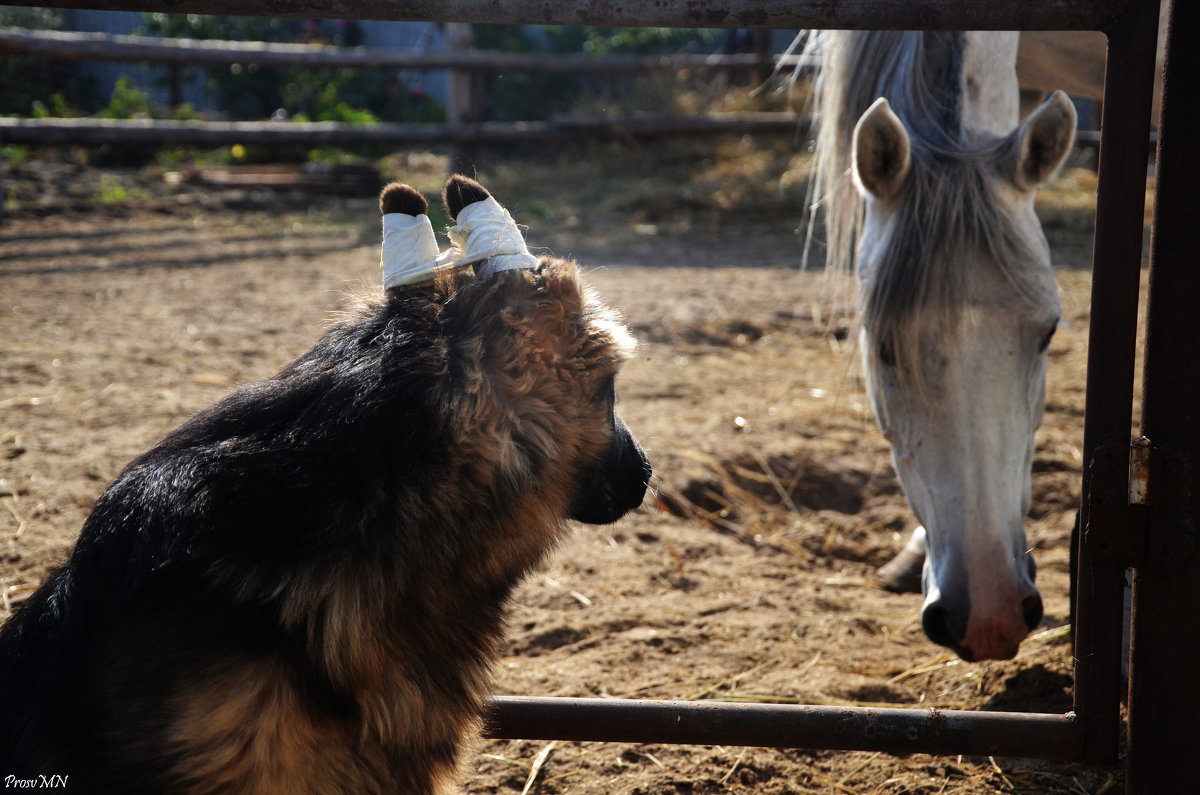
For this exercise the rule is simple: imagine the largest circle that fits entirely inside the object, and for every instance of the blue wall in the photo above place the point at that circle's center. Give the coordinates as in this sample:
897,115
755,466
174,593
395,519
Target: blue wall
404,36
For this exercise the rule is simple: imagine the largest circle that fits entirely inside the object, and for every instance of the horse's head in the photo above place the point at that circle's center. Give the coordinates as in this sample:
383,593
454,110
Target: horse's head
958,307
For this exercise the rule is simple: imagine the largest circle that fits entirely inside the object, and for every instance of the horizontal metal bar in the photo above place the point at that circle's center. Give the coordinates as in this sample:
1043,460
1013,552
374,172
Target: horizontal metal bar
778,14
942,732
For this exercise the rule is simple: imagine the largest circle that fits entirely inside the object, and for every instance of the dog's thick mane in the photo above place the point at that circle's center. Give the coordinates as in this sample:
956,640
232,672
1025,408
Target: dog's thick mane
421,413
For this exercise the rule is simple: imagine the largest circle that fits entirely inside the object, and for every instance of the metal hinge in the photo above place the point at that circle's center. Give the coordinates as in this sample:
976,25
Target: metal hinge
1157,480
1160,484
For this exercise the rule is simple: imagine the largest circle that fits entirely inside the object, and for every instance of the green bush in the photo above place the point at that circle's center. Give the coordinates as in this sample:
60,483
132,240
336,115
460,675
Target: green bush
58,108
253,92
526,96
127,102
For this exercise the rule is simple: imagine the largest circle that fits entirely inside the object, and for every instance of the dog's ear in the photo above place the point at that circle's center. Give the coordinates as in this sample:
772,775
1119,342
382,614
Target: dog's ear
484,232
397,197
410,251
460,191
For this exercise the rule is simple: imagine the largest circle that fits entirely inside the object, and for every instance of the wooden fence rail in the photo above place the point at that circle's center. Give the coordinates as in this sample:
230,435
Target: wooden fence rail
207,52
99,132
755,14
96,132
463,130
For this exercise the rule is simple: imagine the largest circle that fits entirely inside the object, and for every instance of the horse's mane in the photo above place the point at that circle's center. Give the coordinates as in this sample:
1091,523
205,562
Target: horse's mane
920,87
948,211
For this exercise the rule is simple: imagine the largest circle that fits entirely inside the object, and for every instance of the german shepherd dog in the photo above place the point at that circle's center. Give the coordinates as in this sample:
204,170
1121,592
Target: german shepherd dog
302,589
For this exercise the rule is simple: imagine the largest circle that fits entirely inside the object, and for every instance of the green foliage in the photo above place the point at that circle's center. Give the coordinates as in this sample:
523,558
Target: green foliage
652,41
247,91
533,96
14,154
341,112
57,108
591,40
111,191
184,112
127,102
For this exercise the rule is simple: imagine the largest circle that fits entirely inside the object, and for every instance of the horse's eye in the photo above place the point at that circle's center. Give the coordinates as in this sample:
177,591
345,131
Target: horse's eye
1045,343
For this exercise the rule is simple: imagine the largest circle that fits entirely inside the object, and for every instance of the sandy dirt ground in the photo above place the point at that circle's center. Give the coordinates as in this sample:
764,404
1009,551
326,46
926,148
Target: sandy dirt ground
747,577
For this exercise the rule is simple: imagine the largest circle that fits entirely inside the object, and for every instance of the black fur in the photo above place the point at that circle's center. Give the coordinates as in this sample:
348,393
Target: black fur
261,475
226,547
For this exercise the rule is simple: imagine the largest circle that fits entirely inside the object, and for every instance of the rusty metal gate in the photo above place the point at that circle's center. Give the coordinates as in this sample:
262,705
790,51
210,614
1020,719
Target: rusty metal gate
1155,534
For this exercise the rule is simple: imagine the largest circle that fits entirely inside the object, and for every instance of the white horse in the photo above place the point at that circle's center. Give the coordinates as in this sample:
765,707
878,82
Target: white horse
928,182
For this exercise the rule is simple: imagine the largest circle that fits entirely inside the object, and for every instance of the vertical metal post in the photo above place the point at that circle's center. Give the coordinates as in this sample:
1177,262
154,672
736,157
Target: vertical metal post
1106,520
1164,698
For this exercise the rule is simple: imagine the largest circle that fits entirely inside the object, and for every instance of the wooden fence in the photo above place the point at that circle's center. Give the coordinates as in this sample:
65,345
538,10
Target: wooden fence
207,52
95,132
464,107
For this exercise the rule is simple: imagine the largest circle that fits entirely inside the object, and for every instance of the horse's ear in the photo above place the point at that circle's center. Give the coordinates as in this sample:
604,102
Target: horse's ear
881,151
1043,142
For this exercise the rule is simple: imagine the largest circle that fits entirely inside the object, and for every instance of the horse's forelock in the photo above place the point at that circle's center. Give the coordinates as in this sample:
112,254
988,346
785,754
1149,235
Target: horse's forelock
919,73
949,219
949,214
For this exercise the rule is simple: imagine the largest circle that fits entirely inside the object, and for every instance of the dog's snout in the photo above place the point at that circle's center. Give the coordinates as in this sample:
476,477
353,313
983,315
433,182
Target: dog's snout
616,484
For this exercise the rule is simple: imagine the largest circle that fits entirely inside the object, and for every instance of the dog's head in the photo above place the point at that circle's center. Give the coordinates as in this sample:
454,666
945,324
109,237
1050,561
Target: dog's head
536,355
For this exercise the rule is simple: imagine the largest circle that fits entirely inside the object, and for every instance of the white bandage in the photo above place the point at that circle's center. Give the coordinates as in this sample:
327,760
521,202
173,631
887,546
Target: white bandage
486,231
410,250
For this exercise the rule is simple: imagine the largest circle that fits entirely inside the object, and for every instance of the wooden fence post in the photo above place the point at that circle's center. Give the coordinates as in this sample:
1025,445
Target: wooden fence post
764,49
464,102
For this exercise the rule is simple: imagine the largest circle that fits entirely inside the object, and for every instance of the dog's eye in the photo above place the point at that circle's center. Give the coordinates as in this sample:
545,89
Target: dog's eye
1045,343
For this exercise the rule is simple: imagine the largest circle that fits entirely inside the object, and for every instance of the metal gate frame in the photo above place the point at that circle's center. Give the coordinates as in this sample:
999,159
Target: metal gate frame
1157,535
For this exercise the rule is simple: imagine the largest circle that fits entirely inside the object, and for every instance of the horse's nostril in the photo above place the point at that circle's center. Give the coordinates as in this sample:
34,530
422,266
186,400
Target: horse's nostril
1031,608
935,622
